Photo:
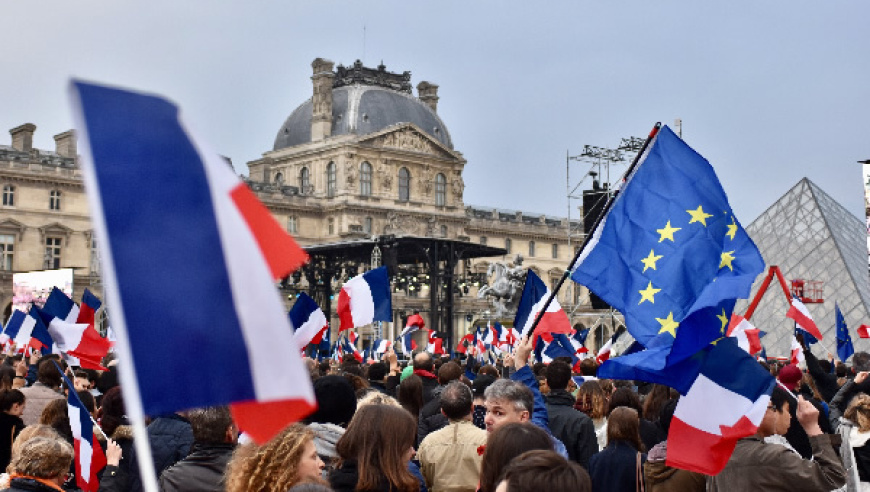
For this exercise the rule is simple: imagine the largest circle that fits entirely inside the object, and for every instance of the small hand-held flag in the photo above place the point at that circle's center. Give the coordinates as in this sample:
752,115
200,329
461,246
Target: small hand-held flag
844,341
801,315
365,299
308,321
535,294
415,322
864,331
89,456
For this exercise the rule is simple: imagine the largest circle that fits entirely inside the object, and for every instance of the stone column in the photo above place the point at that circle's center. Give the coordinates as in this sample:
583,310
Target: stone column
22,137
428,93
321,118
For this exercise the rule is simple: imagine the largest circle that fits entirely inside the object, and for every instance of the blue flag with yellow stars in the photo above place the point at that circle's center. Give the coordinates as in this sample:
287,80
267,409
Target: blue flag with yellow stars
844,341
670,255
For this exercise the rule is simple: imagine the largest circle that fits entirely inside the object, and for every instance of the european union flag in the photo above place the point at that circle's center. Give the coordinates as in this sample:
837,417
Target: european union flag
844,341
670,255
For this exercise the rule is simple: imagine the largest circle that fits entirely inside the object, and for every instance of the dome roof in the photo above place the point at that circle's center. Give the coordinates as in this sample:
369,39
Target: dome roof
363,109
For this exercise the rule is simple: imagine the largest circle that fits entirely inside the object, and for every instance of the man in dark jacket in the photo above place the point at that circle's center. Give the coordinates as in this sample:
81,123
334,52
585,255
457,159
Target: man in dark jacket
214,439
424,367
431,419
574,428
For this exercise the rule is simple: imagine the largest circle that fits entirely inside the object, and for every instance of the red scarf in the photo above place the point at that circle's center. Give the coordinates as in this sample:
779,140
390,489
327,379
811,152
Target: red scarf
425,374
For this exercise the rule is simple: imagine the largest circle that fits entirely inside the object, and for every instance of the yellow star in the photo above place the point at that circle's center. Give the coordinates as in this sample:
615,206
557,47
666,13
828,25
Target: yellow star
650,261
724,319
727,258
668,325
732,229
699,216
667,232
648,293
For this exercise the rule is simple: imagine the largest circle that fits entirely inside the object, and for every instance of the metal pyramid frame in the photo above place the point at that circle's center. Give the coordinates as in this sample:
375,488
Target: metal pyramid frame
811,236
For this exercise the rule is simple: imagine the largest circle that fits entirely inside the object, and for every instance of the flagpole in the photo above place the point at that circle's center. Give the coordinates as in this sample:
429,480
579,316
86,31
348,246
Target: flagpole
598,220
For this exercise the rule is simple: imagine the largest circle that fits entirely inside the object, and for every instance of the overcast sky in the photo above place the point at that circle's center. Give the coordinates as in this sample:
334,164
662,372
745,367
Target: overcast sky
769,92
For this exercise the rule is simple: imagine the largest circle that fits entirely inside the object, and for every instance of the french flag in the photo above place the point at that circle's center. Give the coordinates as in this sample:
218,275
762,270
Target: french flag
604,352
89,307
864,331
702,436
308,320
408,345
365,299
801,315
89,455
436,345
19,328
72,328
60,305
348,346
380,347
748,336
464,343
535,294
190,260
415,322
797,352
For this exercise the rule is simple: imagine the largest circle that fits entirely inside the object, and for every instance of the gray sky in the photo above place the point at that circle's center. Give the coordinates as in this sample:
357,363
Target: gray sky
769,92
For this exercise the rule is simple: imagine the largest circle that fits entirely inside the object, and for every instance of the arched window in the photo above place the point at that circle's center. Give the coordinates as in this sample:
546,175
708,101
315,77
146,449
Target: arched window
531,249
440,190
8,196
279,178
330,179
54,200
404,184
304,180
365,179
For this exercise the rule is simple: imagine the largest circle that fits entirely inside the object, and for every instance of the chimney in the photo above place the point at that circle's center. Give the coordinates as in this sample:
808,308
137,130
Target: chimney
428,93
321,117
65,144
22,137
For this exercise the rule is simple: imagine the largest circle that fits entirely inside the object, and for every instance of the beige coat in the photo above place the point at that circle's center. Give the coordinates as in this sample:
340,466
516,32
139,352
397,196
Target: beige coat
36,398
449,457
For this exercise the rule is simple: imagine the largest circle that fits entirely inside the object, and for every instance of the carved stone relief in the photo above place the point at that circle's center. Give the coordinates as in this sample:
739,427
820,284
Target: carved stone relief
406,140
385,175
350,173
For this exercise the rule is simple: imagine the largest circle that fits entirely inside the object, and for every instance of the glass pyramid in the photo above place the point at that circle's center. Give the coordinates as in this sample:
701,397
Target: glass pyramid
812,237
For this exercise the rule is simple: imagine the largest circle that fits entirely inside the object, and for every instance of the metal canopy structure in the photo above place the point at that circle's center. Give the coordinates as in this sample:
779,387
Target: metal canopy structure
435,259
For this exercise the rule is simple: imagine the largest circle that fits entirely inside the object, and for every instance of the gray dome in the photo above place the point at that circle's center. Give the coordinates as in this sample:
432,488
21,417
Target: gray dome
360,110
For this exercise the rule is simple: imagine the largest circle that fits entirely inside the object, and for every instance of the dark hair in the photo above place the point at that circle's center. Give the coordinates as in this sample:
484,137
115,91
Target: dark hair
7,376
336,401
210,424
558,375
380,449
538,470
9,398
506,443
489,370
624,397
588,367
539,368
449,371
779,397
378,371
87,400
112,412
623,424
457,401
667,414
655,400
410,394
48,374
861,362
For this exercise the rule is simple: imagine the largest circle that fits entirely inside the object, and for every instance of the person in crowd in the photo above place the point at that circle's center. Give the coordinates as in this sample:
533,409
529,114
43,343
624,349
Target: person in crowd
534,471
375,450
620,466
46,389
376,398
852,387
653,403
506,443
378,377
89,402
81,380
410,395
214,438
7,377
431,418
572,427
12,403
820,370
592,401
855,450
790,377
171,437
756,465
589,369
113,420
424,367
41,464
659,476
650,433
286,460
336,404
478,386
448,457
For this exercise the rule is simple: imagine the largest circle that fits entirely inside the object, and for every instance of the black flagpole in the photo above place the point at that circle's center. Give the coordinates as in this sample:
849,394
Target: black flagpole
604,213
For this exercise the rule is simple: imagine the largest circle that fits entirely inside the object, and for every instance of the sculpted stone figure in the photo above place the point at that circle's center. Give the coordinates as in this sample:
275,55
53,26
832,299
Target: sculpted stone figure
505,286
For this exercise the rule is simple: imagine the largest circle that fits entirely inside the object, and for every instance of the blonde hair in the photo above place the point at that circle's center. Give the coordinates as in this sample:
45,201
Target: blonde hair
376,398
272,467
43,457
26,434
859,412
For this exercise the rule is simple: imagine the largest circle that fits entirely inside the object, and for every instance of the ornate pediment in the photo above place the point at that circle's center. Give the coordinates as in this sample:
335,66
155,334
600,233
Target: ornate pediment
408,138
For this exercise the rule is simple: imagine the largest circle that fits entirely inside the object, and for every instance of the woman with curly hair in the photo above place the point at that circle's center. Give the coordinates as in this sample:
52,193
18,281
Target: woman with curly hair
286,460
856,433
375,450
593,401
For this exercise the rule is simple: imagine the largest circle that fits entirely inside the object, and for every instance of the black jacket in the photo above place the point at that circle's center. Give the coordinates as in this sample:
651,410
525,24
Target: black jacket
202,470
826,382
574,428
344,479
10,426
27,485
615,468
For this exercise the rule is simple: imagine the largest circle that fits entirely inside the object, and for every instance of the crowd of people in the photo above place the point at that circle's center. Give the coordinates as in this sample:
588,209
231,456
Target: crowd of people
442,424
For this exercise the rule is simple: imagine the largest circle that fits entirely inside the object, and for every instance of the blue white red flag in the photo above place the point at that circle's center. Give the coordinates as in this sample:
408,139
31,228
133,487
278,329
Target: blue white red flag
88,308
365,299
18,322
408,345
702,436
748,336
604,351
535,294
436,345
801,315
190,259
308,321
60,305
415,322
89,455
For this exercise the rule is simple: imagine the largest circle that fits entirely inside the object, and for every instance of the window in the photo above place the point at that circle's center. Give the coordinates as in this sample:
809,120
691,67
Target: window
8,196
531,249
330,179
367,225
507,245
483,240
440,190
304,180
365,179
52,253
291,224
94,256
331,226
404,184
279,178
54,200
444,231
7,248
555,251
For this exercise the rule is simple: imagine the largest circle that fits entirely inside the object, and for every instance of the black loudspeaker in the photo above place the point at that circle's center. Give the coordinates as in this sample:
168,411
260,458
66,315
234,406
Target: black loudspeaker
593,206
